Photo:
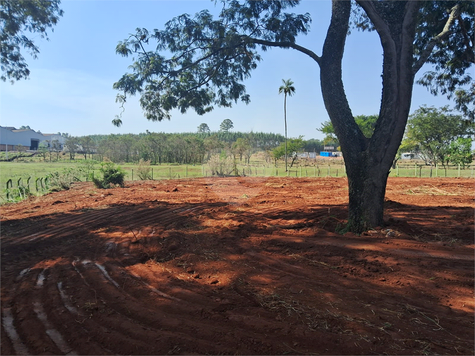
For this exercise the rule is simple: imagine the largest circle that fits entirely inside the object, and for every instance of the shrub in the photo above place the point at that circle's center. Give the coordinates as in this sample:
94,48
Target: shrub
63,180
144,170
222,166
112,175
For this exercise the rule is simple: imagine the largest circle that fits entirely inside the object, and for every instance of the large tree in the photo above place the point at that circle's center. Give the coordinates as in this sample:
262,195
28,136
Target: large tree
210,58
226,125
17,19
204,128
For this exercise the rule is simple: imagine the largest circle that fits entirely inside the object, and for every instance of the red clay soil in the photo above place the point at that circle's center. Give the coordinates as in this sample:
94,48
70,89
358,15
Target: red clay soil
238,266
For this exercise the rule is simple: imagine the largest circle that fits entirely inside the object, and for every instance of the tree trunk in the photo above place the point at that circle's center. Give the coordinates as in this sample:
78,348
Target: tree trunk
285,121
368,161
366,188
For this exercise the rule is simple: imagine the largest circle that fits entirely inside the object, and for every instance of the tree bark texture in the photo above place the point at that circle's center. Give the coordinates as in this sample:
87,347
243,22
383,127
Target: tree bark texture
368,161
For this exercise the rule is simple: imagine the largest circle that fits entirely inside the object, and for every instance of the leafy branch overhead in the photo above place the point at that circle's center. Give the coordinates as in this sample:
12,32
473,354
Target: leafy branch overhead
19,18
210,58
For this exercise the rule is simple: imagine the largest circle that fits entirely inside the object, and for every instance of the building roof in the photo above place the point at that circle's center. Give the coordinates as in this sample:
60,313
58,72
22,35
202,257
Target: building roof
8,128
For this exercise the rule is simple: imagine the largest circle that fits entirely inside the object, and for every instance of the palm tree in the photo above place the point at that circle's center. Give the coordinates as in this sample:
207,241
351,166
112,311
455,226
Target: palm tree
288,89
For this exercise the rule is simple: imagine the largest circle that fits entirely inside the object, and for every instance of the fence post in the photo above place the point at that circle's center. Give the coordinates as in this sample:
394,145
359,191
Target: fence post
186,171
9,185
459,171
170,172
152,173
436,169
415,169
132,174
314,171
397,170
328,175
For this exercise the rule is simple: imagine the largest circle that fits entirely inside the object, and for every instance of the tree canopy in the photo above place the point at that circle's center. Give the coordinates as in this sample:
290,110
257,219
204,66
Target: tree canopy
438,135
294,146
226,125
203,128
453,54
17,19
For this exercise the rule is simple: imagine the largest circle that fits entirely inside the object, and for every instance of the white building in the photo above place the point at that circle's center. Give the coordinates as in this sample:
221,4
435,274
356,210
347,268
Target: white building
11,138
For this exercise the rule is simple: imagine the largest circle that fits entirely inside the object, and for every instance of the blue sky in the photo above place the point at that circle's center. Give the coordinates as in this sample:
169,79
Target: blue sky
70,86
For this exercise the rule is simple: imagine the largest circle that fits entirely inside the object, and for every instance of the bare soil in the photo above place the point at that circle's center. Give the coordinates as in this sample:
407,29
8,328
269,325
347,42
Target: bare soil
238,266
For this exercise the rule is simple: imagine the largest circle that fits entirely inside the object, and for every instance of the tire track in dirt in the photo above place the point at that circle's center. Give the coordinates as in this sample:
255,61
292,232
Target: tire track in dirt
185,323
65,223
68,229
40,287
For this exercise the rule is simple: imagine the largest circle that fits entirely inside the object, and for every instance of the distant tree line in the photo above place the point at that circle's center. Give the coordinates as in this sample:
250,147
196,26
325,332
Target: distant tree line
180,148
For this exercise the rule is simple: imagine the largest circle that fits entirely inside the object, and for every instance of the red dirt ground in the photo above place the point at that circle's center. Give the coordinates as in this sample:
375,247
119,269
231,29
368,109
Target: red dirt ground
238,266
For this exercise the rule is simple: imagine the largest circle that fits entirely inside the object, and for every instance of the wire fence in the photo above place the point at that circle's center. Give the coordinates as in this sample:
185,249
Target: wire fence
18,188
330,170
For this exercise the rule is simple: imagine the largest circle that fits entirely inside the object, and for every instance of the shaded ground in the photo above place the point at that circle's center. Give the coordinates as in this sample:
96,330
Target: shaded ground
238,266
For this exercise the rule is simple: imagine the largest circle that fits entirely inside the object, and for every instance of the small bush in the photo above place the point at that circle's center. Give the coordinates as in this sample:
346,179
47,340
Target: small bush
112,175
63,180
144,170
222,166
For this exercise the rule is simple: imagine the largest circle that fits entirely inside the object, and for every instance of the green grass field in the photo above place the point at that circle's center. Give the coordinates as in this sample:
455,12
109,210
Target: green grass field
33,168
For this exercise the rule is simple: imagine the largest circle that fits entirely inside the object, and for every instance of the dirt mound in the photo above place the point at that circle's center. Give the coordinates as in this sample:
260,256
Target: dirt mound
238,266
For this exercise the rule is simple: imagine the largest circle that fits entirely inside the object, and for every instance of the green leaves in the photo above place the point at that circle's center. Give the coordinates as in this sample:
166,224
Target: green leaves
433,131
287,87
18,17
460,151
454,53
294,146
112,175
208,59
226,125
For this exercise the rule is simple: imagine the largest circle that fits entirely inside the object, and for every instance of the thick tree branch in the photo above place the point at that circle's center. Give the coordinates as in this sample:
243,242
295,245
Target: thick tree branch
454,14
387,42
349,134
295,46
